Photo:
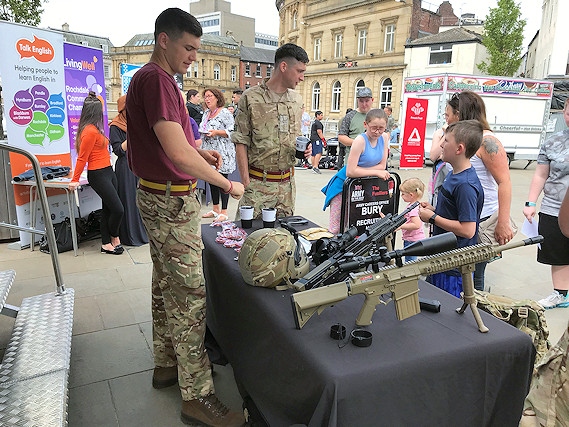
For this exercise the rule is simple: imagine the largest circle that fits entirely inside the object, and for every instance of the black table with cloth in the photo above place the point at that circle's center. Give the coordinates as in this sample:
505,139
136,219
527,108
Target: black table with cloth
430,369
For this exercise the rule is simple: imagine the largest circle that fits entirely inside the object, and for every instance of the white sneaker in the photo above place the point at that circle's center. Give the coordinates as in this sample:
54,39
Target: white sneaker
555,300
316,170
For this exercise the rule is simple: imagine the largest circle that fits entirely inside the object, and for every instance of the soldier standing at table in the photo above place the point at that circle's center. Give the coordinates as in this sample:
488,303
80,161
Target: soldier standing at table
163,154
265,133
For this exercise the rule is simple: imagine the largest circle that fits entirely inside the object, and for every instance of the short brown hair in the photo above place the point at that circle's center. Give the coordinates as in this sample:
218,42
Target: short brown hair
469,133
218,95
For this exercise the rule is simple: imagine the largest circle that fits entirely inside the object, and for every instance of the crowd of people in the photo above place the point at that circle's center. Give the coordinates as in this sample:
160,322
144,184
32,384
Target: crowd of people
171,142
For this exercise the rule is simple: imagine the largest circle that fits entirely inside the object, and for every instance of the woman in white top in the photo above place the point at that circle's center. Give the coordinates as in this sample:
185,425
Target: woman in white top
492,168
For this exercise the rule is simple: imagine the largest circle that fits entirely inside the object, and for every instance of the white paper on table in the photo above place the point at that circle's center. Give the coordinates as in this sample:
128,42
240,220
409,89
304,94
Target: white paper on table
530,229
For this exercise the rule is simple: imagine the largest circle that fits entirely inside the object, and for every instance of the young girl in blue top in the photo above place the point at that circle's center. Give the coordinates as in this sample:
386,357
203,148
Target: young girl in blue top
368,157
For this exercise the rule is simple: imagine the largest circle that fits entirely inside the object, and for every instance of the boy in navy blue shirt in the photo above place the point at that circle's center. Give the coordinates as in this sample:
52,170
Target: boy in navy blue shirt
460,199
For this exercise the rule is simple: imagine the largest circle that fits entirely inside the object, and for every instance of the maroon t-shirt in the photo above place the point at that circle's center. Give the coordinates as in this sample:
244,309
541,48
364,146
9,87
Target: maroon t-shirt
154,95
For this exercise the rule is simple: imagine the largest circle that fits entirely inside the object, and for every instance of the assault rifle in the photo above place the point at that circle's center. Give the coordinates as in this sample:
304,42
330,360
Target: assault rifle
329,269
401,282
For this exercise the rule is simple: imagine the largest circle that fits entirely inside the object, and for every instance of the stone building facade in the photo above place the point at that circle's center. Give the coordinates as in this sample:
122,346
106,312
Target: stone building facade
351,44
217,64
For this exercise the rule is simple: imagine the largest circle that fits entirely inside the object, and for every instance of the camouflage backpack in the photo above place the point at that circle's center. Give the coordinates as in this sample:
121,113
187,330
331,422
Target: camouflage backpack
270,256
547,403
526,315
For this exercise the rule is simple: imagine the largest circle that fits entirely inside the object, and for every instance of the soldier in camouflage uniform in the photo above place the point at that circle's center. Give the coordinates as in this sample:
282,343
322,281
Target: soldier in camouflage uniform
265,133
163,154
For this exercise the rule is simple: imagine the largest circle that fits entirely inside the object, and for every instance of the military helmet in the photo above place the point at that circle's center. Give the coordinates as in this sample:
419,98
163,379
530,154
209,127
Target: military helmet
270,256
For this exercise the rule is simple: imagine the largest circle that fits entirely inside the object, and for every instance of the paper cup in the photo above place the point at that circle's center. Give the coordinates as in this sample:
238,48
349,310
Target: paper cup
301,144
269,217
246,213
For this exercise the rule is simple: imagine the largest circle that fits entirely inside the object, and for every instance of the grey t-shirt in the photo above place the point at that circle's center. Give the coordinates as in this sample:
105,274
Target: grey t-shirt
555,153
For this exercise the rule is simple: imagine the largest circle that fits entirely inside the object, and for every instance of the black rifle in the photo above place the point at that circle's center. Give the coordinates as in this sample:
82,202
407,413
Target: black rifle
375,235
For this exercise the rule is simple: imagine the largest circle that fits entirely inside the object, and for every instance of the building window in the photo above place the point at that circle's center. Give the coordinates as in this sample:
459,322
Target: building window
105,48
247,70
389,44
216,72
196,70
362,42
441,54
294,20
336,95
338,46
107,71
385,96
210,22
359,84
269,70
258,73
247,85
316,96
233,73
317,48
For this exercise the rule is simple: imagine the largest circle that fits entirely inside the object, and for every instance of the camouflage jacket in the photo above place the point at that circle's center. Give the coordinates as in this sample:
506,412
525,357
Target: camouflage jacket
268,124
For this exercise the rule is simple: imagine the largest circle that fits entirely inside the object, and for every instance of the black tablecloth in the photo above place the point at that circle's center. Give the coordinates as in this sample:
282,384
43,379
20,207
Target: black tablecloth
430,369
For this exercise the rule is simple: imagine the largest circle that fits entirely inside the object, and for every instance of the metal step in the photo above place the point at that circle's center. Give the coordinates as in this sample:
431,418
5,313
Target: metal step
6,279
40,401
35,367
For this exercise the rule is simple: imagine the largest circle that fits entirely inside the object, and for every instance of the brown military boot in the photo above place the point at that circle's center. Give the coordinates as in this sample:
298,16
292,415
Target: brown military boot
211,412
164,377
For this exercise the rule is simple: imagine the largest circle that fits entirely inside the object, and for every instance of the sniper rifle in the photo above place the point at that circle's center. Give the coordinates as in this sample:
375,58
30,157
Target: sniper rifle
401,281
329,271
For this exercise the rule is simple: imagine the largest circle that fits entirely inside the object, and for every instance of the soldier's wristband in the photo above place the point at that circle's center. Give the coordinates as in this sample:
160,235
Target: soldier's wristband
230,188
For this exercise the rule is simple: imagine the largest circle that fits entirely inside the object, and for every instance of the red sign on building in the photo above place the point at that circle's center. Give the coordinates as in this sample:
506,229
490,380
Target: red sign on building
412,144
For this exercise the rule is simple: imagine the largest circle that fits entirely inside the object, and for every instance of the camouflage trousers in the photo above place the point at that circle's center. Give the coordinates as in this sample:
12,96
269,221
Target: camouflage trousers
278,195
178,289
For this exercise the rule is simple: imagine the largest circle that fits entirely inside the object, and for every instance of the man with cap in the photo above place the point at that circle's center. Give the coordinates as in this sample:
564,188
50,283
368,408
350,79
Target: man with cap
353,123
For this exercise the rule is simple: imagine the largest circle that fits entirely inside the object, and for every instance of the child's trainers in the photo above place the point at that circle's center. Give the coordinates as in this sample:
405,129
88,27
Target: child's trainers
555,300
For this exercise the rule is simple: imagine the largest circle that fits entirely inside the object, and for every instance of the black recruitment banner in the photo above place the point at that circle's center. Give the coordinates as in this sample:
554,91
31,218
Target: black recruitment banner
364,200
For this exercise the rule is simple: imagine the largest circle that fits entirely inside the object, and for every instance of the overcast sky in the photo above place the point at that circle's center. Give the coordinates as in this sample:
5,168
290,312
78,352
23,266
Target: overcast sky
121,19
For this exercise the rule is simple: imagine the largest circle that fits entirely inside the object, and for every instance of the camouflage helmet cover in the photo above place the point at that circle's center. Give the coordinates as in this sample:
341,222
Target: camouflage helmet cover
267,258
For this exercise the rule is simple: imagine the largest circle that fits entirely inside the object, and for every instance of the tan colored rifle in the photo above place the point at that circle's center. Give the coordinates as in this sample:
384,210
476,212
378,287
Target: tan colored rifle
401,281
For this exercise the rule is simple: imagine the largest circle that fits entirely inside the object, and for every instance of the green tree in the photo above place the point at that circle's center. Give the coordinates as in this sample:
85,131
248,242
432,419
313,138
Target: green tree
503,38
21,11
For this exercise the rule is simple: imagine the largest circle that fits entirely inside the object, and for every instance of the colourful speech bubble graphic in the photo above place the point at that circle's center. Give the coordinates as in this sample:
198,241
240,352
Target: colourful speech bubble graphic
55,132
40,92
56,100
56,115
39,121
23,99
39,49
19,116
40,105
34,137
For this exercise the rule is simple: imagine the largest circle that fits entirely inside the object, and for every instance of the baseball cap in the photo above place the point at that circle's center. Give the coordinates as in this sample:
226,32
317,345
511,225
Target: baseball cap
364,92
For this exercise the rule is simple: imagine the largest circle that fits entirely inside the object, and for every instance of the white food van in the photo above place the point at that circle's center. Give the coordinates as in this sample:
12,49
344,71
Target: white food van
517,109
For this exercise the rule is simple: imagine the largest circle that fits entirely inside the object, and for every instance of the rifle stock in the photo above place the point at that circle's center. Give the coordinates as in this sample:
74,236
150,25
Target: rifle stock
401,283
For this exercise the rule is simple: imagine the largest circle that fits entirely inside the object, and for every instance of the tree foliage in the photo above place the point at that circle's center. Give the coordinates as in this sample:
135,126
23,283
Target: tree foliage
21,11
503,38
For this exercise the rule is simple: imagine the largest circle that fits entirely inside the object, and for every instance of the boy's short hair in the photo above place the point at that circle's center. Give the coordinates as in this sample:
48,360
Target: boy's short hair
175,22
469,133
318,113
238,92
413,185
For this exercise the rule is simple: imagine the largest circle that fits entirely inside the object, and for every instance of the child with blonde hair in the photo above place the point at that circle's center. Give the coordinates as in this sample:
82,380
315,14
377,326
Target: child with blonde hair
412,190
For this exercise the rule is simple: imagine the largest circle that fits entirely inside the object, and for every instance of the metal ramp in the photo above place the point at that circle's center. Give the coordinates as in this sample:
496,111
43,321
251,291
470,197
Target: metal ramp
35,369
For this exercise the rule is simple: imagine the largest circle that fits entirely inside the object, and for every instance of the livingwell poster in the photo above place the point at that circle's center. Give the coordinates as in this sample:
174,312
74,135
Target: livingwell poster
84,72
